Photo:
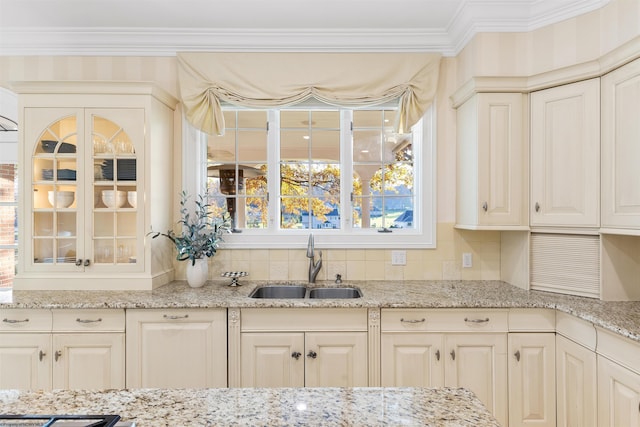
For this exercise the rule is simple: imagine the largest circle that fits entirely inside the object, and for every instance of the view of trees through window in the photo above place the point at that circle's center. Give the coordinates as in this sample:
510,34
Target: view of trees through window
317,149
8,223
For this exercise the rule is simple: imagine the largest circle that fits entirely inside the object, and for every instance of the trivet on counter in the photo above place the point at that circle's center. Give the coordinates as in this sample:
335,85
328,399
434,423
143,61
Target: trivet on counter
234,275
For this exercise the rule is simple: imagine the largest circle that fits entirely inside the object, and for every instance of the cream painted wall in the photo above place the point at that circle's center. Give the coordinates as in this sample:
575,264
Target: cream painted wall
574,41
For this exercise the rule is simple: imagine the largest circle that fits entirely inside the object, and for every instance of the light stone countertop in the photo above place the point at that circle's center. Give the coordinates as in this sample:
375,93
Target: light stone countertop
619,317
309,407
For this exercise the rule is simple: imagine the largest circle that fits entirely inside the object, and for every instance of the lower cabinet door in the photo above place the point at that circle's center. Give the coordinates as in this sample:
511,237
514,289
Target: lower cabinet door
25,361
576,392
478,362
618,395
272,359
412,359
179,348
89,361
336,359
532,382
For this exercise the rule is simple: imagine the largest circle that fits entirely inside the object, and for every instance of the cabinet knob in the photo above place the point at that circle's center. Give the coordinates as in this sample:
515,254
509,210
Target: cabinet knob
78,262
437,354
87,263
453,355
57,355
517,355
296,355
41,355
312,354
485,206
537,207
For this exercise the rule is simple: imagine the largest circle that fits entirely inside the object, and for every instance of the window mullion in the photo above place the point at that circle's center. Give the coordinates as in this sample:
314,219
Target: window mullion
273,170
346,169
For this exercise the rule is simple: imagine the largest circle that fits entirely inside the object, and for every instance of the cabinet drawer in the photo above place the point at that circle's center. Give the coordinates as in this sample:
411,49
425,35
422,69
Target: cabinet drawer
444,320
88,320
532,320
304,319
18,319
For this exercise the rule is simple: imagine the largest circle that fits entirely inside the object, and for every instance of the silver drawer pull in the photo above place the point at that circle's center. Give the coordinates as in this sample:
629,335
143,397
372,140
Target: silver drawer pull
14,321
413,320
173,317
79,320
485,320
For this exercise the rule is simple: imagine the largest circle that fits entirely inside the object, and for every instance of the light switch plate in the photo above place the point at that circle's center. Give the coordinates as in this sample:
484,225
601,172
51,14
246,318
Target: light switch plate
467,260
398,257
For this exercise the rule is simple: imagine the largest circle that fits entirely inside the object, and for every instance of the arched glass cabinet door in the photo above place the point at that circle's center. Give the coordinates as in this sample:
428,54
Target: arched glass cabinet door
115,193
55,189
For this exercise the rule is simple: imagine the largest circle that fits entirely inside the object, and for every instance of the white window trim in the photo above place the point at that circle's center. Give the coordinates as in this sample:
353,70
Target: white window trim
424,236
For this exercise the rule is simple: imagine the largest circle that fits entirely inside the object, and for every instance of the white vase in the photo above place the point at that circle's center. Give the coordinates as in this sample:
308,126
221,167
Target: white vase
197,273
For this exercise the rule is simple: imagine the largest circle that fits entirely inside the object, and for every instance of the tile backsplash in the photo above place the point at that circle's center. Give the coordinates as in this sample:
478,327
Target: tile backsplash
443,262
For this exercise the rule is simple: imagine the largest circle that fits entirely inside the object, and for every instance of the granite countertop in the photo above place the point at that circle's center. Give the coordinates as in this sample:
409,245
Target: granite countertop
620,317
263,407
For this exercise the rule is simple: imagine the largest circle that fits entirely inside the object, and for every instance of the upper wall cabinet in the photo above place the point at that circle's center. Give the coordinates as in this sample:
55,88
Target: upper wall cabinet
621,150
492,162
94,181
565,155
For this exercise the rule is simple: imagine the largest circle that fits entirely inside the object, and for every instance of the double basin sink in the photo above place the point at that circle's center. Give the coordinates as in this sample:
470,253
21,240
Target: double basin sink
300,292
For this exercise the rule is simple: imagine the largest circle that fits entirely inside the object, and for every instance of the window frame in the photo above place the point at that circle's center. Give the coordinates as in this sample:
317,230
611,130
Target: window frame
422,236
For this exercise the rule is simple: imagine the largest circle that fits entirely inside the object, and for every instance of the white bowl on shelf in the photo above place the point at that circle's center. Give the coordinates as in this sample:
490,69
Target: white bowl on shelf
132,198
61,199
114,199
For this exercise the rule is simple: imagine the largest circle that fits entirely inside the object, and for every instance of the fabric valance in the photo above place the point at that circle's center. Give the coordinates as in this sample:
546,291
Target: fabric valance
270,80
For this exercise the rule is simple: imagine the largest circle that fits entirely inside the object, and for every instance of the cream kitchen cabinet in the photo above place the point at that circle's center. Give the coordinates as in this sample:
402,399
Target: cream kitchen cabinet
95,158
457,348
303,347
576,373
565,156
532,379
621,150
492,162
176,348
618,380
62,349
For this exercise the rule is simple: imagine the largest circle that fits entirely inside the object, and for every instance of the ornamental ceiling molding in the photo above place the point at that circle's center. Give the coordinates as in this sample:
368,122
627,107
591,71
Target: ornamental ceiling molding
472,17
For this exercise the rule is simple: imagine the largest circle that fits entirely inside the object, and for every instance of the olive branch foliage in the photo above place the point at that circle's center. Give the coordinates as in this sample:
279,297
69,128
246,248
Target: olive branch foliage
201,234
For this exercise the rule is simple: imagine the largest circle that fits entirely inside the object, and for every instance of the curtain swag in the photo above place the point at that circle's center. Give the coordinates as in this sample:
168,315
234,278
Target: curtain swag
268,80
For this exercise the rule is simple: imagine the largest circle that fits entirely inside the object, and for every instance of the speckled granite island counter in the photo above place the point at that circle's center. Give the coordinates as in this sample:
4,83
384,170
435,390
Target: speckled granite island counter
619,317
263,407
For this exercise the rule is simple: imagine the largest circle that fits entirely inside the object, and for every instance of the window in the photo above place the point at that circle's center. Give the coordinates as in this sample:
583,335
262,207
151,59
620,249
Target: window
8,223
341,174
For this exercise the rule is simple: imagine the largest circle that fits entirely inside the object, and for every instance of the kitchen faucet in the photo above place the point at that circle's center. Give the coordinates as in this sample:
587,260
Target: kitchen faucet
314,267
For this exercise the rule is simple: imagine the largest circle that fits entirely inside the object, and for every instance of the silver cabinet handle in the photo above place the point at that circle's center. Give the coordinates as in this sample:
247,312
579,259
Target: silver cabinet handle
485,206
78,262
485,320
312,354
79,320
296,355
413,320
87,262
12,321
41,355
174,317
57,355
517,355
453,354
537,207
437,354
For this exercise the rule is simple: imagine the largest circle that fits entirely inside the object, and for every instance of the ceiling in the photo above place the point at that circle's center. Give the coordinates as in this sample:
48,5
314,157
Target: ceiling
163,27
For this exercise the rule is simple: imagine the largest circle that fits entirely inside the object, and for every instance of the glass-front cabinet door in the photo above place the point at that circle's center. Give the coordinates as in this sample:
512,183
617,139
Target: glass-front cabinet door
86,183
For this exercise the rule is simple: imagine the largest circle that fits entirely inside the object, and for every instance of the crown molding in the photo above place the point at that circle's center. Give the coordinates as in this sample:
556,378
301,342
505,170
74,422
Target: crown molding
471,18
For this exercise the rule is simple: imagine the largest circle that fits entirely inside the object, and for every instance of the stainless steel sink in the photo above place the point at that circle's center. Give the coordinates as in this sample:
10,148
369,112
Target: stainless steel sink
335,293
279,291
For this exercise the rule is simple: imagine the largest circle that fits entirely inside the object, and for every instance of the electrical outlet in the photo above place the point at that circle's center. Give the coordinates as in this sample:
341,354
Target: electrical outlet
467,260
398,257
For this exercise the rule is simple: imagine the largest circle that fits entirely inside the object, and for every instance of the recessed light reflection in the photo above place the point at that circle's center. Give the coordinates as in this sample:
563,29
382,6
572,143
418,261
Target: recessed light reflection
305,137
301,406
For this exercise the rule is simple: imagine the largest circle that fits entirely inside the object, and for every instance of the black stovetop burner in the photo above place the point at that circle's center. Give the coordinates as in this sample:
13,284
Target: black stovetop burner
58,420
